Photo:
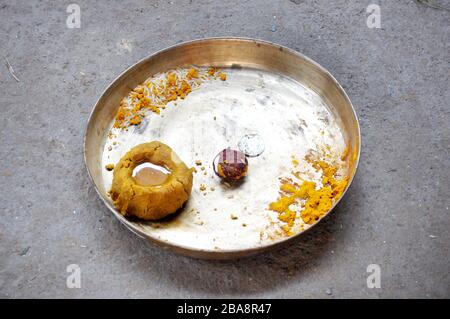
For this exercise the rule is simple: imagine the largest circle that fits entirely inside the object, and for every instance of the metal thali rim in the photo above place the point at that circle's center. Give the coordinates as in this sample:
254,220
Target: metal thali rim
223,253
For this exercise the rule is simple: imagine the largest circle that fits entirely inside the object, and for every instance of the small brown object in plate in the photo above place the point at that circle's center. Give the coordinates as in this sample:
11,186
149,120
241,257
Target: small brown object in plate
232,165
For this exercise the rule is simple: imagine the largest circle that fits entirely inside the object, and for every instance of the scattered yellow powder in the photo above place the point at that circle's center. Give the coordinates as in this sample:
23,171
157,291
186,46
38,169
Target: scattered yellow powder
212,71
157,91
222,76
202,187
135,120
192,74
314,202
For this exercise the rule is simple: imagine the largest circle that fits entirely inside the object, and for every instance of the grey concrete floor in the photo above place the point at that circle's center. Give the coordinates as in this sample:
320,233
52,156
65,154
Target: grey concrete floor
396,213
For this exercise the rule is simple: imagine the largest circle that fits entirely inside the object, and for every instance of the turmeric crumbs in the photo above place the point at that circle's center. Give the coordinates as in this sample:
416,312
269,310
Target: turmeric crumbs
192,74
109,167
157,91
135,120
212,71
311,200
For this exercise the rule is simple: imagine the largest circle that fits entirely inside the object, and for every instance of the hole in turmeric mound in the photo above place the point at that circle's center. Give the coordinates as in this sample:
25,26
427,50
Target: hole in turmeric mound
149,174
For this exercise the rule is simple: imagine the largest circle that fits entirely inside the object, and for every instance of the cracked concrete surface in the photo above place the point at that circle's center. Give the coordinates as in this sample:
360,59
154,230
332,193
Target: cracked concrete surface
396,213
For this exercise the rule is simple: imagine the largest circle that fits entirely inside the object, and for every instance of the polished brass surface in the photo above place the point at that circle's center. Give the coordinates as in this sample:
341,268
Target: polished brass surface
236,54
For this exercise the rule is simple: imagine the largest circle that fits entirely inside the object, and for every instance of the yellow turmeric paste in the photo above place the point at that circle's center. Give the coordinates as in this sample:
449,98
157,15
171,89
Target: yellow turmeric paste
157,91
314,202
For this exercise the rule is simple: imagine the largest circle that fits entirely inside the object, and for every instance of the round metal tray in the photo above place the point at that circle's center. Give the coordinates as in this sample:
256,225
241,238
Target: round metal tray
292,102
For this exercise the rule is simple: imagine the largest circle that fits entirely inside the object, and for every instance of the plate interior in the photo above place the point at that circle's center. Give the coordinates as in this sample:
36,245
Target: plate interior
291,118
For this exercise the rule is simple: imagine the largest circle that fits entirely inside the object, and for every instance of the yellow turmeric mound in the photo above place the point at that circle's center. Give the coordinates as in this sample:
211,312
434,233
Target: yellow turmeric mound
315,202
150,202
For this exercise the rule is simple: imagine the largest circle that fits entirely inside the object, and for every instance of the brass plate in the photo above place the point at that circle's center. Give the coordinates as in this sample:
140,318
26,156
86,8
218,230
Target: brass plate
290,101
